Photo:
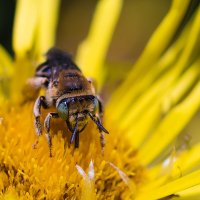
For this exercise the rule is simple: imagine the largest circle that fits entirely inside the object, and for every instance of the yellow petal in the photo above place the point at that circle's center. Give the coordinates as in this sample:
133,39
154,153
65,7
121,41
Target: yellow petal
148,78
187,161
171,188
169,127
181,63
174,166
92,52
25,22
6,72
154,184
190,194
88,182
156,44
6,63
159,106
47,23
34,26
148,107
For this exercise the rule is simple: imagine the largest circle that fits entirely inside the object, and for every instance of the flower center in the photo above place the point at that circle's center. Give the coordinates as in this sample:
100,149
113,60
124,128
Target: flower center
32,172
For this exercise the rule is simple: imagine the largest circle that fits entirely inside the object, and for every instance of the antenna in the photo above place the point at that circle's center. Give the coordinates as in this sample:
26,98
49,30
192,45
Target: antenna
74,132
98,123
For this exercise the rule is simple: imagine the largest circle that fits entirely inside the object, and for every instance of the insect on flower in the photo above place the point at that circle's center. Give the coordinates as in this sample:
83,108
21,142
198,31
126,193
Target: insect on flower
67,90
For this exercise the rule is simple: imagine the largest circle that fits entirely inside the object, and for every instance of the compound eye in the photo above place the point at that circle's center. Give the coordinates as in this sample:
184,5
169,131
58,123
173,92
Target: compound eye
63,110
96,104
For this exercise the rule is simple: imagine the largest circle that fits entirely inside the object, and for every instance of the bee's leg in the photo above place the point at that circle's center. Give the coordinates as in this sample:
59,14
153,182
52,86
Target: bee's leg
47,125
76,140
102,138
101,108
101,130
40,102
102,141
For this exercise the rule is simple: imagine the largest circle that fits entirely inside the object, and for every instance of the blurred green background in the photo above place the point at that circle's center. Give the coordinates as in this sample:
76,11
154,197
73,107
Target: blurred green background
138,20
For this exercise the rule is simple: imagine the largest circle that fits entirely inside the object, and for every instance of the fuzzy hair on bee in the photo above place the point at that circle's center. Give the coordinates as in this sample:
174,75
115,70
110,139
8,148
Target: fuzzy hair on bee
70,93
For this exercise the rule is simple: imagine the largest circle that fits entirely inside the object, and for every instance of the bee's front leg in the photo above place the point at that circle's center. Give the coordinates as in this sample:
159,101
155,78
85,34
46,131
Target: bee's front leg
47,125
76,140
100,119
101,109
102,141
102,130
40,102
102,137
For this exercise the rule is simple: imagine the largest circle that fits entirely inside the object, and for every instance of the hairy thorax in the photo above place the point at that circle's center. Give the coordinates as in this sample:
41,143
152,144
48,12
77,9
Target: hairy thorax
68,83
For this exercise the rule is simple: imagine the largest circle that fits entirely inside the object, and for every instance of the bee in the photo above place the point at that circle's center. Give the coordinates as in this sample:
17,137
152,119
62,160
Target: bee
70,93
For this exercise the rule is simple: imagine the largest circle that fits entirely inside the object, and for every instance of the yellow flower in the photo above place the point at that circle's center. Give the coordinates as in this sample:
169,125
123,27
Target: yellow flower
144,115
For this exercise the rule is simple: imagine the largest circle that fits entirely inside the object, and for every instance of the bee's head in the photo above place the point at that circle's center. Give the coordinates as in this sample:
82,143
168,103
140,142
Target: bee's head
76,111
79,105
72,110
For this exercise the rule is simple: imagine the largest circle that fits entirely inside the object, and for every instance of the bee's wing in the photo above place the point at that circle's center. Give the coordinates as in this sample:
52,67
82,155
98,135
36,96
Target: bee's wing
44,70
